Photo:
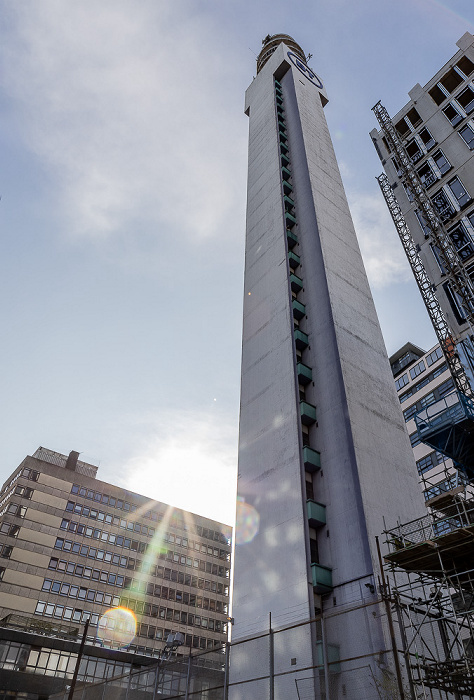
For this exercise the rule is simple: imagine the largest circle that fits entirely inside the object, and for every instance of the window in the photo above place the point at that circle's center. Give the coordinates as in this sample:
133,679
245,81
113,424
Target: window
417,369
458,190
462,240
452,114
5,551
423,223
401,381
454,303
441,162
443,206
402,128
467,135
465,65
427,139
434,356
437,256
451,80
414,151
437,94
426,175
414,117
409,192
466,100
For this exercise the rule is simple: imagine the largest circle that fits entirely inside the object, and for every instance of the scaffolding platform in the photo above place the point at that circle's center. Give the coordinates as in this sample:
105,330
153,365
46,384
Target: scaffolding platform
448,427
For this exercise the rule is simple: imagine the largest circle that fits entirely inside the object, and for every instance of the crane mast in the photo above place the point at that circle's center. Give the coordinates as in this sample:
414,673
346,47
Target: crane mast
458,277
435,312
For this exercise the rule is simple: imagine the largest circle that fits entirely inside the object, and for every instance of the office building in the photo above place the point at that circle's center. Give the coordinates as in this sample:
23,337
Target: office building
323,456
422,379
436,129
73,548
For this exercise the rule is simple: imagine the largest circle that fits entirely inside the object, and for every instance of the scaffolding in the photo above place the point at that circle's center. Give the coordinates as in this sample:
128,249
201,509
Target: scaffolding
429,584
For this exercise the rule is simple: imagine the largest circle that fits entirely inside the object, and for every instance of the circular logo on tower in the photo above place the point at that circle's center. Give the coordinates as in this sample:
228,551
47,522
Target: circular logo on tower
307,72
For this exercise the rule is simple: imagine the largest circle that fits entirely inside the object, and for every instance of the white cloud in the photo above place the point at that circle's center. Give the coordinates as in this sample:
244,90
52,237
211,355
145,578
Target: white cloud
123,103
383,255
187,459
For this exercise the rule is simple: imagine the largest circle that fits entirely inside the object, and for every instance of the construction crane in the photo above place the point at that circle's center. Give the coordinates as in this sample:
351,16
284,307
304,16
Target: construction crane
447,425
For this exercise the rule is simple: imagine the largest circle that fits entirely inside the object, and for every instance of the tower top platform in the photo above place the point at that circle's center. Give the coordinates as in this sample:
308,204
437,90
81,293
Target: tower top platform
270,44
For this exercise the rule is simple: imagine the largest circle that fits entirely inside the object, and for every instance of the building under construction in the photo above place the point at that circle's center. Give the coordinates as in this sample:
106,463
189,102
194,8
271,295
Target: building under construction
428,185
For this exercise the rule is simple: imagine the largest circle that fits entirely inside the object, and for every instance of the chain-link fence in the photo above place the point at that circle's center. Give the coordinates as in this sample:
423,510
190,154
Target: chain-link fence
315,660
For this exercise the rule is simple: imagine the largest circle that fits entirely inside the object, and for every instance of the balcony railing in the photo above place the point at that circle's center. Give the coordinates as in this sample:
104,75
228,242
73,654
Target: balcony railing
305,373
301,339
316,513
296,283
299,309
322,578
292,238
293,260
307,413
311,459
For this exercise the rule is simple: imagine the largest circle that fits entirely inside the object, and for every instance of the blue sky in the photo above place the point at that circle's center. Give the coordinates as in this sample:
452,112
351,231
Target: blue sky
122,215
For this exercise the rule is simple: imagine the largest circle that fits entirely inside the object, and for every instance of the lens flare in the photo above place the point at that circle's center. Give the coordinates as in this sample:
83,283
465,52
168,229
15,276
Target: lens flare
247,522
117,627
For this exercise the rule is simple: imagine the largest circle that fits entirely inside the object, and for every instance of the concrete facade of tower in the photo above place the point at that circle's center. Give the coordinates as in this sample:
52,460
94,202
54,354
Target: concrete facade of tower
324,456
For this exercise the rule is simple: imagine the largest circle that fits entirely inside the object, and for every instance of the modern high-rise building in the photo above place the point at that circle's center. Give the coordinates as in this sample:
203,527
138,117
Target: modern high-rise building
422,379
72,549
436,130
324,458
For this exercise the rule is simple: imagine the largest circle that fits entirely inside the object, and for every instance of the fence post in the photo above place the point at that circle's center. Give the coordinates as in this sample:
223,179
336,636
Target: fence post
188,677
226,670
272,659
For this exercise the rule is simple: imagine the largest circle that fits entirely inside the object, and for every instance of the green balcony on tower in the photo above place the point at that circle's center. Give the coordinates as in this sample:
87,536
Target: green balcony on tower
299,309
305,373
322,578
332,654
279,100
307,413
283,148
296,283
285,161
301,339
289,219
294,260
292,238
281,125
316,513
287,187
288,202
280,110
311,459
285,173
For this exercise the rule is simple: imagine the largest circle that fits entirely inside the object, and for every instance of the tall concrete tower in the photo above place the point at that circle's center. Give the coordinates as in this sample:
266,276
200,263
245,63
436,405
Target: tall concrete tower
324,456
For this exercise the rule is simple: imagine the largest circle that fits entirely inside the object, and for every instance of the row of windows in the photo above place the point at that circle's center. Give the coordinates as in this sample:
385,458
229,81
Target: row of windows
420,385
426,463
401,381
434,356
15,509
127,543
74,569
438,393
166,593
417,369
70,590
444,486
176,519
9,529
81,571
78,615
26,473
22,491
150,632
52,662
93,514
103,555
